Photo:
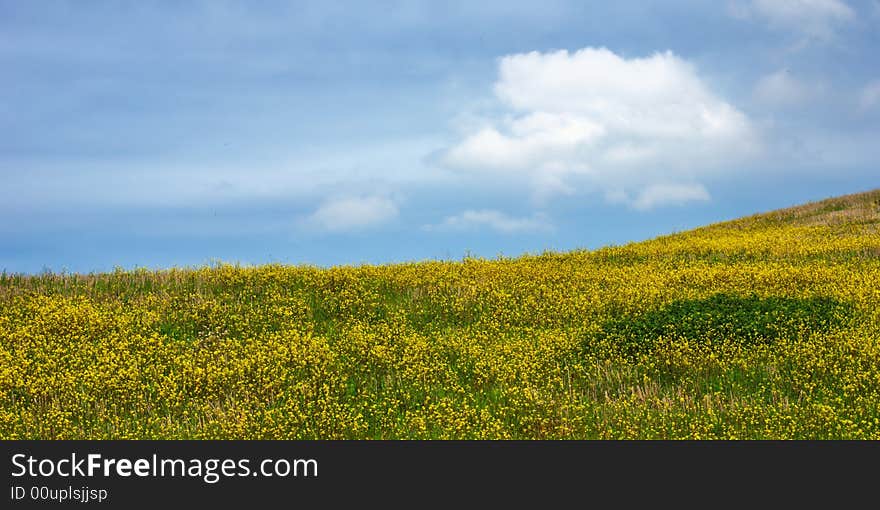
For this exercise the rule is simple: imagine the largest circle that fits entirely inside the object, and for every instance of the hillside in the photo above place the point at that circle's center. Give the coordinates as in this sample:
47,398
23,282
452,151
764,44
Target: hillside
854,209
762,327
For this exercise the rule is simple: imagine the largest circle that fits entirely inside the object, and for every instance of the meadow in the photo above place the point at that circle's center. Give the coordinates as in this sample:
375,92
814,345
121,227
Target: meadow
766,327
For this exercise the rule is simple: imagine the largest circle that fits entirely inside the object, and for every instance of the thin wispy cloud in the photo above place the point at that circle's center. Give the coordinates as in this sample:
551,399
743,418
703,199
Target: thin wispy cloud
658,195
780,89
815,19
480,219
869,97
351,214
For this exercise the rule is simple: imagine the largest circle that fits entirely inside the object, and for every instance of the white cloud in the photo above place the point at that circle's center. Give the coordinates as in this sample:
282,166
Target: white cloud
781,89
595,116
531,139
813,18
347,214
669,194
870,96
487,218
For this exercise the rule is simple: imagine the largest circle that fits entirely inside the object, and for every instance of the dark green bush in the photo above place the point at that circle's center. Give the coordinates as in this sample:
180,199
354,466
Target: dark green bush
722,318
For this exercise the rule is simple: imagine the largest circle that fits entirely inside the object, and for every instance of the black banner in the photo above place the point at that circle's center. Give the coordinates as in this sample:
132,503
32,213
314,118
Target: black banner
121,474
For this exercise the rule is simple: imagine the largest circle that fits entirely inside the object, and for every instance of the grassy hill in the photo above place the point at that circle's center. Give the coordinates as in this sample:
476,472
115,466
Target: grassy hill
763,327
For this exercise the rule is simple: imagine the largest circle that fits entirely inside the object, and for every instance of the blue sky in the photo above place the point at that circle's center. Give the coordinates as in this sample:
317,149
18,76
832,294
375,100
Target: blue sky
160,134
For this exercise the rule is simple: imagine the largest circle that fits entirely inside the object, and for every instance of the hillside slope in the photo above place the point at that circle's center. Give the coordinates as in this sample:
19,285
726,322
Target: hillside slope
855,209
762,327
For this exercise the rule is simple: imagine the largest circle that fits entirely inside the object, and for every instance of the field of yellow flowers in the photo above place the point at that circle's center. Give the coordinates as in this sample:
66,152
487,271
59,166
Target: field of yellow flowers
763,327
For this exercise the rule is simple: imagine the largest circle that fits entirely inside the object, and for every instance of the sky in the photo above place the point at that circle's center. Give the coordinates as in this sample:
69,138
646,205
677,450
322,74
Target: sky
176,134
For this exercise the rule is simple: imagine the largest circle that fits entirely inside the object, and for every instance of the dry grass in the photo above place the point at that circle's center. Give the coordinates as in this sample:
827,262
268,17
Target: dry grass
847,209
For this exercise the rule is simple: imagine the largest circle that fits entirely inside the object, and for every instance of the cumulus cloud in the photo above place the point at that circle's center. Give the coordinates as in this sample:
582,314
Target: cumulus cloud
813,18
870,96
595,116
781,89
669,194
495,220
353,213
